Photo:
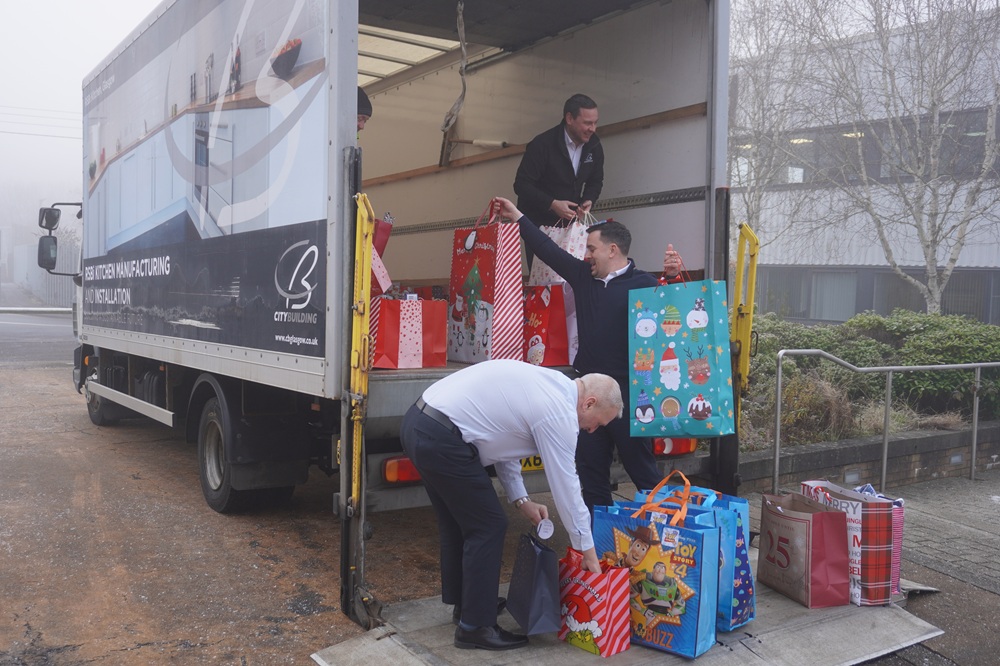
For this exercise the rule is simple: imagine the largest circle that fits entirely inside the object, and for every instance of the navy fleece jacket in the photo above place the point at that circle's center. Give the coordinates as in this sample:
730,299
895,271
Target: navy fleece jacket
601,311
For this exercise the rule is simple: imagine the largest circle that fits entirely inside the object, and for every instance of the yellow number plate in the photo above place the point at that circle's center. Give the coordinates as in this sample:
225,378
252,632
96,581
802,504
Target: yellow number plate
531,464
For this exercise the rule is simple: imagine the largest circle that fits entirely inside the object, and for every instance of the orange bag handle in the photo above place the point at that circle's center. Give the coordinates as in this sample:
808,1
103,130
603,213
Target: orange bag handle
678,513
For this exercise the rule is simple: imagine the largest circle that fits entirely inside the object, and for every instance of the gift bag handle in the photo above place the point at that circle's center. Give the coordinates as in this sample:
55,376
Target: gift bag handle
657,506
491,214
684,275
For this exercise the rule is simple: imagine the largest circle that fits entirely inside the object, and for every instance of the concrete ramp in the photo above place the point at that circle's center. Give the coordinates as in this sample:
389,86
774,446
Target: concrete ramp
420,632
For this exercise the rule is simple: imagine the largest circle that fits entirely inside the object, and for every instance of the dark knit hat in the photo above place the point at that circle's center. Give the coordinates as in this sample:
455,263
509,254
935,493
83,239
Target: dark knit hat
364,104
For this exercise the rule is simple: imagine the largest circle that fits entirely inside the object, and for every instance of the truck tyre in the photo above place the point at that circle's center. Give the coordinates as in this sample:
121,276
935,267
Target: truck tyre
214,432
99,409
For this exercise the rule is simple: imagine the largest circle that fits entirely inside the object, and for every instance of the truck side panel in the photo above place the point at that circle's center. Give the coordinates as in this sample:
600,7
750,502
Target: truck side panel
206,193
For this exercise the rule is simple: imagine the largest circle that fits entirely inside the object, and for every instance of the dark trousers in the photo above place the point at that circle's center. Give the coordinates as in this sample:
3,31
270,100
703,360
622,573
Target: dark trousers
470,518
594,453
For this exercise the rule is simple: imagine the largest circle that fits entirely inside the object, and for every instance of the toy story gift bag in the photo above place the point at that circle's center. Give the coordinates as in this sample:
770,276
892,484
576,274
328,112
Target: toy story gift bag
681,376
737,595
673,557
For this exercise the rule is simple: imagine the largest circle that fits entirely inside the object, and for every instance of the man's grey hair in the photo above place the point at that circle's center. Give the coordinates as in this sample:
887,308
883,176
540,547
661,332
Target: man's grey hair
605,389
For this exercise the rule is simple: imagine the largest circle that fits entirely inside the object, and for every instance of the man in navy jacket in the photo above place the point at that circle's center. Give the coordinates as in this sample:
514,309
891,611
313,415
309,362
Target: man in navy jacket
601,282
562,171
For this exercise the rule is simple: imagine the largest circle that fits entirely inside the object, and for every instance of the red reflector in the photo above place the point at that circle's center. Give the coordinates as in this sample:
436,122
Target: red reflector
676,446
399,470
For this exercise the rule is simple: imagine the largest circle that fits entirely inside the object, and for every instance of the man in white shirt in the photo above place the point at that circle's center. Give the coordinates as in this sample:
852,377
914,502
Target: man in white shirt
495,413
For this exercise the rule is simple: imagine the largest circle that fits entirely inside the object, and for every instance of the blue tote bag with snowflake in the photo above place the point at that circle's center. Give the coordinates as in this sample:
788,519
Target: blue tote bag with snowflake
681,374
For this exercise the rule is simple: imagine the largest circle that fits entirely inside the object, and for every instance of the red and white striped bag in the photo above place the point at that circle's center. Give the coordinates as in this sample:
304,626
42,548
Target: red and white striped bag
485,311
594,607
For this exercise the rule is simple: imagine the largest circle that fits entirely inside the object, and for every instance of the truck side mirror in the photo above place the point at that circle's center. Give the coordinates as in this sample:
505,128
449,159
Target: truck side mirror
48,219
47,252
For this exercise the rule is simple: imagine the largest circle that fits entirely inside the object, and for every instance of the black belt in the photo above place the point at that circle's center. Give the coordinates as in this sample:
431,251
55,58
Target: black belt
437,415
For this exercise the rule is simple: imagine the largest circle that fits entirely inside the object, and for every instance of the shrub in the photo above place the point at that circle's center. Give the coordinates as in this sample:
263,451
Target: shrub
823,401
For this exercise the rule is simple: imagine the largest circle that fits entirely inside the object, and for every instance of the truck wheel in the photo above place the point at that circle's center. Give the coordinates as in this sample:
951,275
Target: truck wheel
216,484
98,408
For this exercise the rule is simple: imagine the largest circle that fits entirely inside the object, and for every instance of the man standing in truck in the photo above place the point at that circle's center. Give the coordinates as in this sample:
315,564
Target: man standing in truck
562,170
601,282
495,413
364,109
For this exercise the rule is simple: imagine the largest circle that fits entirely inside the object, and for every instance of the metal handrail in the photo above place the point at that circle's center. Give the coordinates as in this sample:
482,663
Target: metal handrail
888,369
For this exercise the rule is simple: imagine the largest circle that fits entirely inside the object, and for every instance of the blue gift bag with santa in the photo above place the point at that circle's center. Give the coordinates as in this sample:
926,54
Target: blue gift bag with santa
681,375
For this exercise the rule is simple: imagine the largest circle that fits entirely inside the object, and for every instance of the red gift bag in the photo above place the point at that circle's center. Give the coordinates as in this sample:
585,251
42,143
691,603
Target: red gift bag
803,550
486,315
869,539
545,338
409,333
595,610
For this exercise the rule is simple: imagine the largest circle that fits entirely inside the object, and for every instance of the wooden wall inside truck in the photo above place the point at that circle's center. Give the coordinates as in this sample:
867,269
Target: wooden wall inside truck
647,61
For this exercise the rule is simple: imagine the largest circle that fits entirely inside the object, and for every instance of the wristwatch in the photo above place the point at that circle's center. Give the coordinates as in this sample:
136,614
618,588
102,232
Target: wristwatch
521,500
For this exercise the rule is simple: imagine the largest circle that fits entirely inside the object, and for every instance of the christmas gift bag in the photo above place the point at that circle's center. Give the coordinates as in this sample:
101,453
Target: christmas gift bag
408,333
897,531
675,326
545,340
486,313
672,550
533,597
594,607
737,603
803,550
869,539
570,236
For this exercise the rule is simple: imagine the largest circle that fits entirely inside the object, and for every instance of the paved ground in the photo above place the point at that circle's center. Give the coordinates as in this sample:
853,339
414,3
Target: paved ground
951,537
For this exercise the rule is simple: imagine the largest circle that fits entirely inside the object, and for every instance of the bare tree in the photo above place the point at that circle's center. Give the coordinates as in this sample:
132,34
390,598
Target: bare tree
766,79
902,99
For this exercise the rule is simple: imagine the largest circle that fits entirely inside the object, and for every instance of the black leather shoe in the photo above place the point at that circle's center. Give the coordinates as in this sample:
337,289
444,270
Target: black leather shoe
456,613
488,638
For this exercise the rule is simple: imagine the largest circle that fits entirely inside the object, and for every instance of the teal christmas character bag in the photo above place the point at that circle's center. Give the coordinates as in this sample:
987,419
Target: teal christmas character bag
681,379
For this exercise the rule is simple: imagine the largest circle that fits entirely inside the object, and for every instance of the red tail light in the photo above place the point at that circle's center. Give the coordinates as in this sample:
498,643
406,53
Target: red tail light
399,470
676,446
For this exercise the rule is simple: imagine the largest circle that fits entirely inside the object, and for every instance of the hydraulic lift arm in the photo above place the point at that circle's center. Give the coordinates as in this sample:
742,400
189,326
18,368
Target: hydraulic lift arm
356,602
741,327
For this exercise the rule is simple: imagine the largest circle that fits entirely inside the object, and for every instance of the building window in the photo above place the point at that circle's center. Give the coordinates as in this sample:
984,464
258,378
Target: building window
833,296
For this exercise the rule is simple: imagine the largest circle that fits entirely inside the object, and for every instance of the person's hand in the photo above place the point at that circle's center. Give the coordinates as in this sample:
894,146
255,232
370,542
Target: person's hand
584,208
509,210
566,210
590,562
534,511
671,262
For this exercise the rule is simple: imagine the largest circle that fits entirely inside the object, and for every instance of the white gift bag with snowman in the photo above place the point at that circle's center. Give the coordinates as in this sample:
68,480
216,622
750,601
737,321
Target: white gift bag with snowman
681,374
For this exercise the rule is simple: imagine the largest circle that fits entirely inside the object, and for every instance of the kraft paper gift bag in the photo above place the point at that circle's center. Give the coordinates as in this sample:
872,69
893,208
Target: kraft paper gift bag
533,597
803,550
681,369
408,333
594,607
486,312
672,549
869,539
545,339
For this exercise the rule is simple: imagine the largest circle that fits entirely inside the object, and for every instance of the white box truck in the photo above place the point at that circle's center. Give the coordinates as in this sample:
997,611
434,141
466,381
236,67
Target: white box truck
220,164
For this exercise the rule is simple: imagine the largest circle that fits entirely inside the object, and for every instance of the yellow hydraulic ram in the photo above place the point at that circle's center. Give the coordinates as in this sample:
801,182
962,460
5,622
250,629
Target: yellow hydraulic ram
747,249
360,338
